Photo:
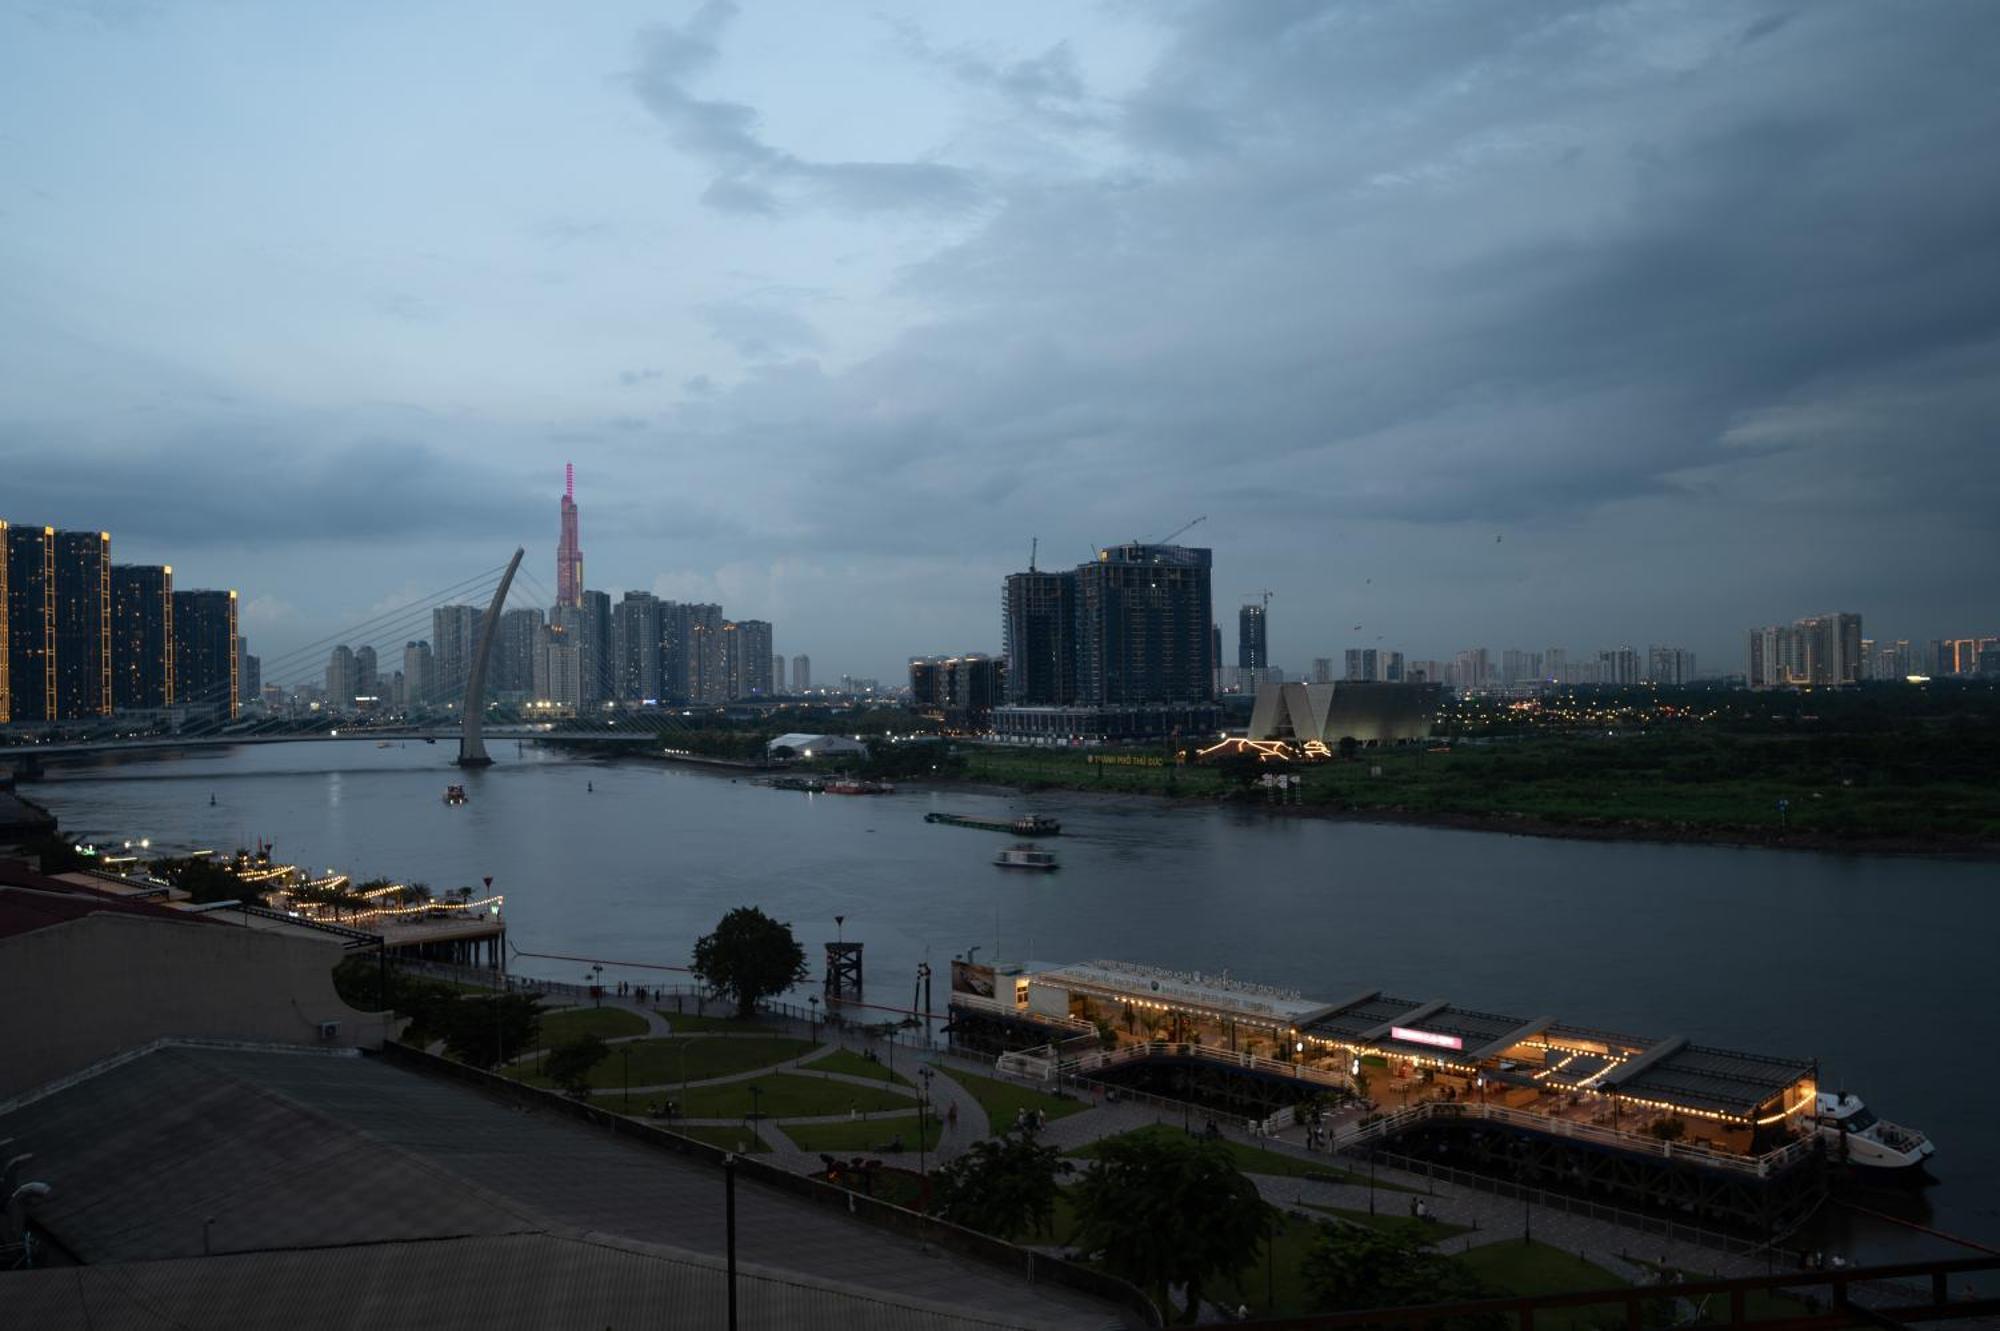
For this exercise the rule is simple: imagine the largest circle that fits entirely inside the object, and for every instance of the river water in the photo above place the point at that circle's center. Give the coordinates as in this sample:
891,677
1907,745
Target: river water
1882,968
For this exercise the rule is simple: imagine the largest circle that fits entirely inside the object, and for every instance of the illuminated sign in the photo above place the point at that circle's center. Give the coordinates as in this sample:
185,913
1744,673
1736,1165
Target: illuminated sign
1410,1036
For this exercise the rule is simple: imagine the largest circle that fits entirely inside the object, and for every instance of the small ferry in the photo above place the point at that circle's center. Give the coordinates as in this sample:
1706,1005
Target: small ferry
1853,1133
1032,824
454,794
811,785
1025,856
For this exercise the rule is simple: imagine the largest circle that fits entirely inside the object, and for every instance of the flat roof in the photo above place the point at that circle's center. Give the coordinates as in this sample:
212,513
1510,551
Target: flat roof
1214,991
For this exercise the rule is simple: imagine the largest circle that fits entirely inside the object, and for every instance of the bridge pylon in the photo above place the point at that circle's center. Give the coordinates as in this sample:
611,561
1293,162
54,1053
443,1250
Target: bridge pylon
471,744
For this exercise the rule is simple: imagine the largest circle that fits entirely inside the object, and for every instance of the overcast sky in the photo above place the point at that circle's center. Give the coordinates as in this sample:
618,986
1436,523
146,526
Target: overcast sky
1509,324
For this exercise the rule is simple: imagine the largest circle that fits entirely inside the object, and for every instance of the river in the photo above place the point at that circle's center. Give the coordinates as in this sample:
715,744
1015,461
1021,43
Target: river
1882,968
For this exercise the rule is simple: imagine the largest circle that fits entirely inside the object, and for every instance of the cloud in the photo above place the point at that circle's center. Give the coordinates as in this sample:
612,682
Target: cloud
752,176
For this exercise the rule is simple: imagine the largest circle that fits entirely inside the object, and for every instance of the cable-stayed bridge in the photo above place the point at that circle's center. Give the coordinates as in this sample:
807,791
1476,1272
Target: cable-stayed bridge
464,695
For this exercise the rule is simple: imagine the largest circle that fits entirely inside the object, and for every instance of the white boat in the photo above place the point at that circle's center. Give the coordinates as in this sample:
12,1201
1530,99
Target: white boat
1853,1133
1025,856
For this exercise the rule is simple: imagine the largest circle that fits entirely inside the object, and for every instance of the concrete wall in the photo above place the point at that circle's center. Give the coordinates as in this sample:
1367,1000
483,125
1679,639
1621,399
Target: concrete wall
79,992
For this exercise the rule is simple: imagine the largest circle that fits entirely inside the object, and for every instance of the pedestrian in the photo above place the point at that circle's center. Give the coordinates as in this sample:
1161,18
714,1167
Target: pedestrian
1413,1208
951,1115
1020,1117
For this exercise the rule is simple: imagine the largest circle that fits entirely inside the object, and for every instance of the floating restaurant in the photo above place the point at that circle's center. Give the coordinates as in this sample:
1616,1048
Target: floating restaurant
1657,1122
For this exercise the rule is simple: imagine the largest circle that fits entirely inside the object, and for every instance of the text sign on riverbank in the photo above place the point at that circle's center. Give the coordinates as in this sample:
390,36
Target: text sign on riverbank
1411,1036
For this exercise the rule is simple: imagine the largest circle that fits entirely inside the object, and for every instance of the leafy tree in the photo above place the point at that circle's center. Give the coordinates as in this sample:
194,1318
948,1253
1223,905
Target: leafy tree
1354,1266
205,879
569,1065
749,957
1005,1187
486,1030
1166,1210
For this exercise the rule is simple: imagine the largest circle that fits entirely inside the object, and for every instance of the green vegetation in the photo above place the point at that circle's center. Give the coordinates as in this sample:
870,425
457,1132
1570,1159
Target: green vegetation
569,1065
1168,1209
1525,1269
609,1022
1006,1186
1392,1221
1349,1267
478,1027
864,1136
689,1023
786,1095
849,1063
749,957
1000,1099
206,878
660,1062
1889,763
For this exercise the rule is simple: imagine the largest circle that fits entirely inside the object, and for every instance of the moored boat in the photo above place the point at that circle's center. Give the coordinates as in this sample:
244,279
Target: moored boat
849,786
454,794
1025,856
1031,824
1854,1133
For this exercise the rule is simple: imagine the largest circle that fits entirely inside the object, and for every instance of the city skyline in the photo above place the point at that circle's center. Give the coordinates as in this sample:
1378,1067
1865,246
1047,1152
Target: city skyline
1598,324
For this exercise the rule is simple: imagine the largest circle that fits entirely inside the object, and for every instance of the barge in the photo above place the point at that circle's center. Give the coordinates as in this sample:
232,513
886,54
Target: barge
1031,824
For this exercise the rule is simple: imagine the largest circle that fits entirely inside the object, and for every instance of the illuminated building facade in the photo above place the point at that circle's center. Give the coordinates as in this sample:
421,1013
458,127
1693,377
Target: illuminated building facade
1253,640
569,554
83,624
205,651
142,637
29,565
961,691
705,680
750,663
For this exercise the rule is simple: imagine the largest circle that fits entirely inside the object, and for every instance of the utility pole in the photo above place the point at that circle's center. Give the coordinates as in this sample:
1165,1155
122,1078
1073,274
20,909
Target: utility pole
729,1225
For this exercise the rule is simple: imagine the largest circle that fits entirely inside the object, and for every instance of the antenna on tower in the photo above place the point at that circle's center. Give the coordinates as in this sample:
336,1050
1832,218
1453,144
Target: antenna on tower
569,480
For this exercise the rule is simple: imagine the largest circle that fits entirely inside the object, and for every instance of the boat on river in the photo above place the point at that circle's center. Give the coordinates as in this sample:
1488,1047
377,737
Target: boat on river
454,794
854,787
1032,824
1025,856
1853,1133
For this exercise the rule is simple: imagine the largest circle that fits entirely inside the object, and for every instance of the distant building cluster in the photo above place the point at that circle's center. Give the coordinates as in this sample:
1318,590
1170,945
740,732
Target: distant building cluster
584,654
84,639
959,691
1822,651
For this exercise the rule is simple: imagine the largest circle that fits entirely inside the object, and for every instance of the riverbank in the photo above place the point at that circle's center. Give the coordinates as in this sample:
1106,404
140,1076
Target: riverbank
1674,792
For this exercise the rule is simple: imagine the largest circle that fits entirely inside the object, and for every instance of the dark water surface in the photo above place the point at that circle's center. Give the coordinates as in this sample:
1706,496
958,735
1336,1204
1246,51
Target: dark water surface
1882,968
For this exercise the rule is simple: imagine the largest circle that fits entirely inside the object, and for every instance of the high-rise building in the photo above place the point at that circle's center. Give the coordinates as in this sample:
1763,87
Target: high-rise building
512,668
1618,665
1518,667
1039,629
1322,670
1473,668
1363,663
1821,651
340,683
249,675
752,671
1392,667
142,636
1669,665
1143,614
558,665
593,649
961,691
802,673
29,567
367,673
706,680
1253,643
569,554
777,673
205,657
635,647
419,674
454,637
673,652
83,624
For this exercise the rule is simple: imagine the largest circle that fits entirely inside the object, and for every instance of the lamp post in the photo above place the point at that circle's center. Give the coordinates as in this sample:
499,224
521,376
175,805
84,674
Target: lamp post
923,1122
729,1225
625,1057
597,985
756,1099
812,1002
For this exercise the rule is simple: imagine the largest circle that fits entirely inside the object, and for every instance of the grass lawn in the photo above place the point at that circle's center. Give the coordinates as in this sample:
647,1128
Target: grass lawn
1286,1294
1523,1269
1758,1304
1001,1098
862,1136
661,1062
566,1024
855,1065
787,1095
718,1022
1255,1159
1391,1220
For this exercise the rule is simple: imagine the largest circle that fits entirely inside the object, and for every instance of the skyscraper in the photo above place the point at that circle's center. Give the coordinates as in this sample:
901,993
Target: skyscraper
83,624
1619,665
340,678
249,674
1143,615
1669,665
419,674
1322,670
635,647
593,649
367,673
1363,663
1039,637
569,555
30,569
1253,646
205,651
706,680
454,637
753,657
513,665
777,673
802,673
142,636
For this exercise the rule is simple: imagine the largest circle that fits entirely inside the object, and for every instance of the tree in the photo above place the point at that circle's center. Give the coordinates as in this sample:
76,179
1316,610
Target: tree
569,1065
1355,1266
749,957
1005,1187
489,1030
1166,1209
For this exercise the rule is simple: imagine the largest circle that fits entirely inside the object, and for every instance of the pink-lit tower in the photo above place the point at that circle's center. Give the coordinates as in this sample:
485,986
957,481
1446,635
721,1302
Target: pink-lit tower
569,556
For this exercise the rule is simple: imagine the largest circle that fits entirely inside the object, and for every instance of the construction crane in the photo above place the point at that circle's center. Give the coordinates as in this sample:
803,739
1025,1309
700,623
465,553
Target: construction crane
1264,592
1180,530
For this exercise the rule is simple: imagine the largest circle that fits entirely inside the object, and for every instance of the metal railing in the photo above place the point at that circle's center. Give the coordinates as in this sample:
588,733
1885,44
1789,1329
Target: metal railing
1136,1053
980,1003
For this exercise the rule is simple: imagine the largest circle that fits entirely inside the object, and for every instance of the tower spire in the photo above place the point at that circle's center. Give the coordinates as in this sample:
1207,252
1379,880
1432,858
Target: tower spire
569,480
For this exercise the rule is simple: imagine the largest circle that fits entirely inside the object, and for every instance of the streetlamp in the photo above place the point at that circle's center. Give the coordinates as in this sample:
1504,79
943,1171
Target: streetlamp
923,1121
597,985
625,1056
812,1001
756,1098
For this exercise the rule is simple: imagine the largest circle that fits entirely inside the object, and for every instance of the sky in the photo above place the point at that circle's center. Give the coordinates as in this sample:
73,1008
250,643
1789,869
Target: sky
1457,323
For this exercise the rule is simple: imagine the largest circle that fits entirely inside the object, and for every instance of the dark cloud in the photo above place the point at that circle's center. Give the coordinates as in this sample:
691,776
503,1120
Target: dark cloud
752,176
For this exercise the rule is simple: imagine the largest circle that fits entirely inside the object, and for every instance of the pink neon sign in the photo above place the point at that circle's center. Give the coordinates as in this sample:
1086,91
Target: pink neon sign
1412,1036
